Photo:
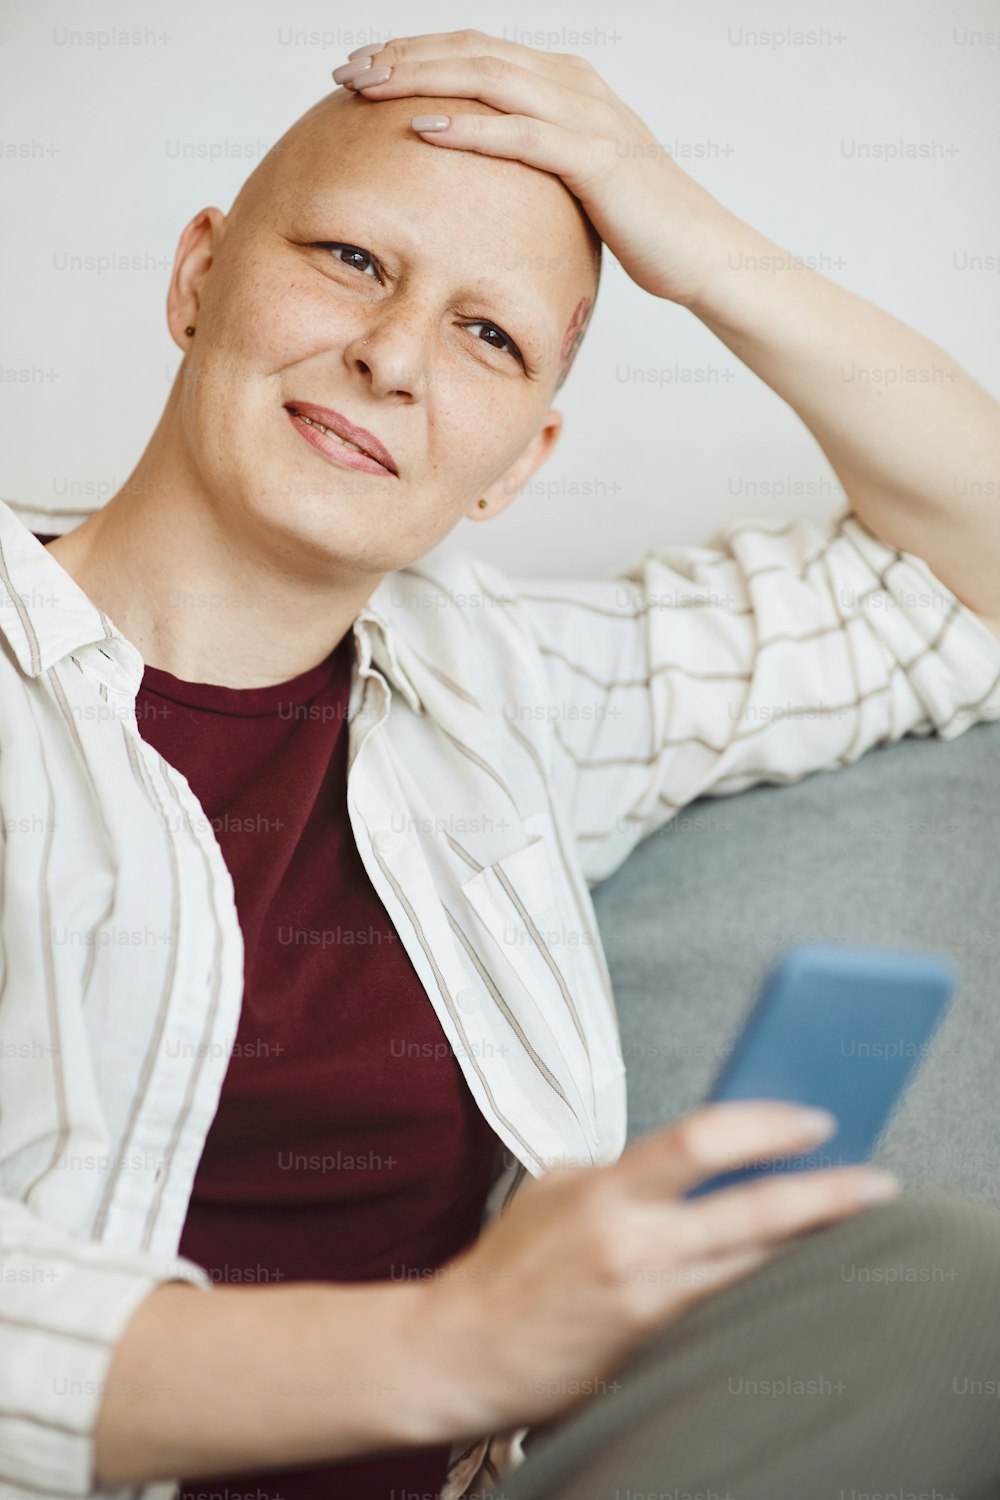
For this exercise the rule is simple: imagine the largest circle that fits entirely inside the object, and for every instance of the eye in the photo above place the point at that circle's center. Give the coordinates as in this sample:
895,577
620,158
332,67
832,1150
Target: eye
353,254
504,338
351,251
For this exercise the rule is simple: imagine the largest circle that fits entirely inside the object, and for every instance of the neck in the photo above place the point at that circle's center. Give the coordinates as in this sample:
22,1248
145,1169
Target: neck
205,600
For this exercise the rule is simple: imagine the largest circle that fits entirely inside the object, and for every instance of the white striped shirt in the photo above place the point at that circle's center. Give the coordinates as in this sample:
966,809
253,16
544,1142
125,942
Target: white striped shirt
510,742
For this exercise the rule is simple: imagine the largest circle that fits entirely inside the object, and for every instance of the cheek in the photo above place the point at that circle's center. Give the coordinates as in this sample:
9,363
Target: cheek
260,327
473,436
268,320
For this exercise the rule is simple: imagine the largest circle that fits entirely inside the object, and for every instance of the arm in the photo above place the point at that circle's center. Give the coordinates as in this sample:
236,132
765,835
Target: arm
913,439
543,1300
109,1380
773,651
264,1377
118,1368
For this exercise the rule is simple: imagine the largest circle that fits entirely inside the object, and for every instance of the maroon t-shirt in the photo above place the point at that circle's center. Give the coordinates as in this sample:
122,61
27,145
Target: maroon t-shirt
347,1146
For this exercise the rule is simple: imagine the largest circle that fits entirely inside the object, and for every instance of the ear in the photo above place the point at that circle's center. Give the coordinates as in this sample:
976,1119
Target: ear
196,249
505,490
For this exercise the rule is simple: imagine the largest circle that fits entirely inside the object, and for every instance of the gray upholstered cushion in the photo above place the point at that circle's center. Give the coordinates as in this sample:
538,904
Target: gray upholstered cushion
901,849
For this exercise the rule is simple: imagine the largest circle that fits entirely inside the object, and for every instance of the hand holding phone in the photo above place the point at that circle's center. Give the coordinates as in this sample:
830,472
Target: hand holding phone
838,1028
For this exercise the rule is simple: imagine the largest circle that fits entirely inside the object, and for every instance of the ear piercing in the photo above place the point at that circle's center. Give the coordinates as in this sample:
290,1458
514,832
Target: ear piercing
189,330
483,504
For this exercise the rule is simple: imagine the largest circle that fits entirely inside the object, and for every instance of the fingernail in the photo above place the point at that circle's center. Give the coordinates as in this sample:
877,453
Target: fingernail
368,76
349,69
368,51
880,1185
431,122
818,1122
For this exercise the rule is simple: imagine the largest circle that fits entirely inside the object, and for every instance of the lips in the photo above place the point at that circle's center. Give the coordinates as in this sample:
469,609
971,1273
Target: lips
333,421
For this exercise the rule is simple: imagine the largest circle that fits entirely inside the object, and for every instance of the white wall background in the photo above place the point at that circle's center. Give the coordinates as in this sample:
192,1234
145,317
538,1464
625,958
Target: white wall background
92,165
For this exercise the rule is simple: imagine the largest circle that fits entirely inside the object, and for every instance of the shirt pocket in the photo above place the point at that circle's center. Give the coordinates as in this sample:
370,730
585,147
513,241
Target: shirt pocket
516,888
517,901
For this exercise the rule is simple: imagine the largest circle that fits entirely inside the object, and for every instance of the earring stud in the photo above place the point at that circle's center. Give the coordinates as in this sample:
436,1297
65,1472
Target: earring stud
483,504
189,330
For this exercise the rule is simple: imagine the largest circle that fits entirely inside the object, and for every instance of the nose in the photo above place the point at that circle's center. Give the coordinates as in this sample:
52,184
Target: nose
390,352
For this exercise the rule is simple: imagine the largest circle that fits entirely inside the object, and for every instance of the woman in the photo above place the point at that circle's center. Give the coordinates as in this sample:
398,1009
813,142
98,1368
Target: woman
244,702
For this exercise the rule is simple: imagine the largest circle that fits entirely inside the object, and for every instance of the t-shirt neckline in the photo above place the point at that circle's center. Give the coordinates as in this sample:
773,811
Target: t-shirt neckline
256,701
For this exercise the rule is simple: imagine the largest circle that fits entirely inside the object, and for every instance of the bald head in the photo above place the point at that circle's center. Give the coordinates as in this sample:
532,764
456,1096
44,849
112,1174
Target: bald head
542,232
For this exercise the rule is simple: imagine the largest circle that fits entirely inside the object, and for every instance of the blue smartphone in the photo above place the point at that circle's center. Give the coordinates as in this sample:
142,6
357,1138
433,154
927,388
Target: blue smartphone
841,1028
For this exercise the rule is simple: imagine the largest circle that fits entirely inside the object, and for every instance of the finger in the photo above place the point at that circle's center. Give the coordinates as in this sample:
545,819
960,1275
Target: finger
694,1282
422,50
491,79
516,137
368,50
768,1210
716,1138
658,1281
470,43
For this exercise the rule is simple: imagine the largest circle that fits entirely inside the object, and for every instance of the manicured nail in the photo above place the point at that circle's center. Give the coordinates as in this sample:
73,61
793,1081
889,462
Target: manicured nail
880,1185
370,50
818,1122
349,69
431,122
369,76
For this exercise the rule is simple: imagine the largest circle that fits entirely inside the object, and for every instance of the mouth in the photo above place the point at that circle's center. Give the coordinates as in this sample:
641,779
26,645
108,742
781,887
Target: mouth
340,440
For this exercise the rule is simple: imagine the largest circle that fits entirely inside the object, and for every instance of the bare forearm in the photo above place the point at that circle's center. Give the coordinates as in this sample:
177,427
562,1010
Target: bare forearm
892,410
914,440
206,1382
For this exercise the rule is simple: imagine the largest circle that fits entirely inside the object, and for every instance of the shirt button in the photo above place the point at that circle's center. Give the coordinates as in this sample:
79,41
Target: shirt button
467,1000
386,840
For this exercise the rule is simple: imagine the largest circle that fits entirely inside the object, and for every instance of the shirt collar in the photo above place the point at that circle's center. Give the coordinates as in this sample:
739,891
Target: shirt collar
45,615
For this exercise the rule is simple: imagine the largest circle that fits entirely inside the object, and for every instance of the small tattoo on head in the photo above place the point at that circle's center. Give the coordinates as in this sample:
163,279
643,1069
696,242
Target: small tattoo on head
574,331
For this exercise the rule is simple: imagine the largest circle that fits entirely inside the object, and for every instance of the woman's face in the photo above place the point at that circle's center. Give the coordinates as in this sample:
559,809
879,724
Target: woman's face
426,295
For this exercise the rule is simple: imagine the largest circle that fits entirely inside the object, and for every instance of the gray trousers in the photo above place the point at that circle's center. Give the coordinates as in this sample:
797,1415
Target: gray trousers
861,1363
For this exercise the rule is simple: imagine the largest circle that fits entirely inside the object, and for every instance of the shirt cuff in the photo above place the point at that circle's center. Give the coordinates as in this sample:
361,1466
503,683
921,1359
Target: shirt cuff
951,657
66,1308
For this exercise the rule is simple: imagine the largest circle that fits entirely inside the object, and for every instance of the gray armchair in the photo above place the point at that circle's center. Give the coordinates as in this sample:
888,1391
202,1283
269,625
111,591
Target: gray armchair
900,849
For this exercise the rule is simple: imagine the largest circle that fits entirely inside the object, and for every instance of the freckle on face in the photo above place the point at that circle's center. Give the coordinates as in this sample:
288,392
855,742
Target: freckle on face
576,322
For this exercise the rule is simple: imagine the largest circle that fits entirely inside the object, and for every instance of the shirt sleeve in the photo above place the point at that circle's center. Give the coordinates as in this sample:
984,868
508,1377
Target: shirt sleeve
65,1305
772,652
